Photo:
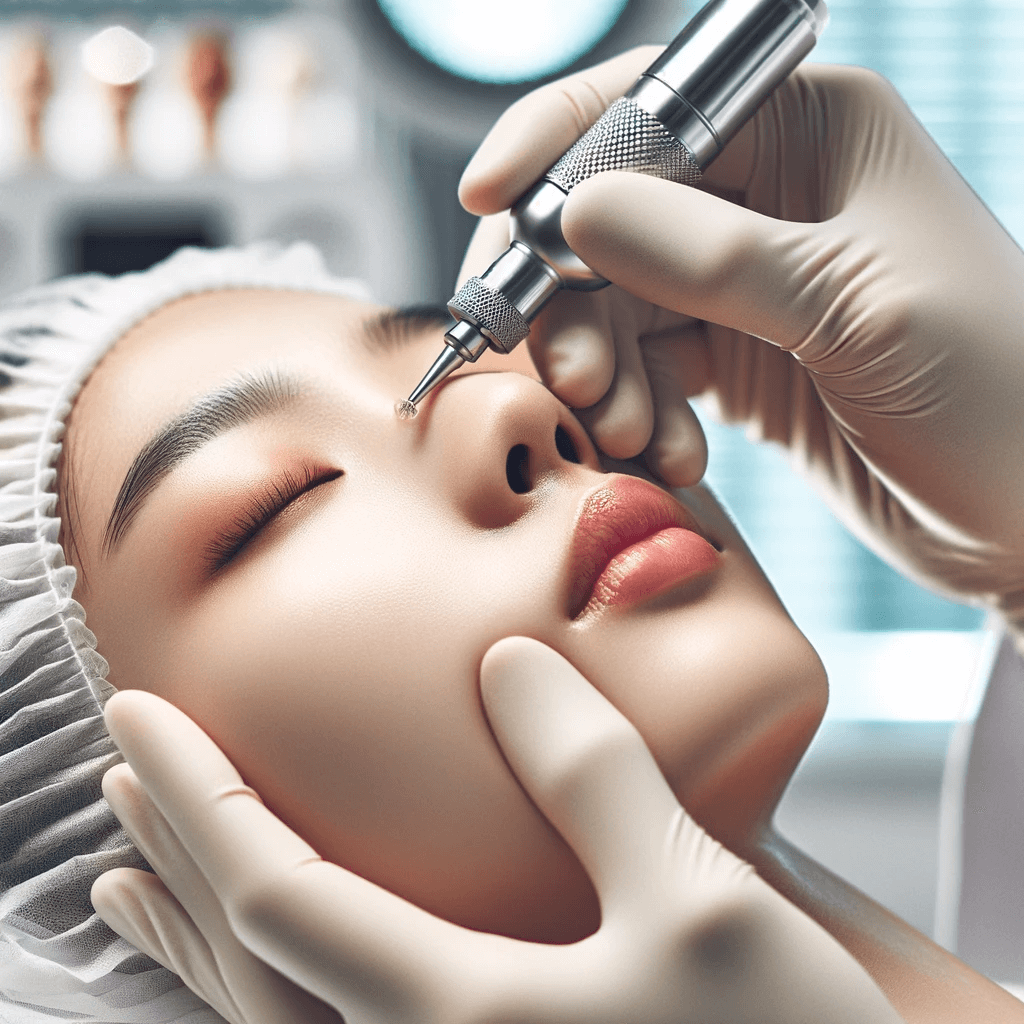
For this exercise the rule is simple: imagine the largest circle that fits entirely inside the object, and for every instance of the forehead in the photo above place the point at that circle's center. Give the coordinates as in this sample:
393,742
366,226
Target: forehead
194,344
197,339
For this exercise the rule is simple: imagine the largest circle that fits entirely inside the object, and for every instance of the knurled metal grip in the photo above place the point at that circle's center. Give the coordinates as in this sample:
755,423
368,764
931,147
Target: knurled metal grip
488,309
626,138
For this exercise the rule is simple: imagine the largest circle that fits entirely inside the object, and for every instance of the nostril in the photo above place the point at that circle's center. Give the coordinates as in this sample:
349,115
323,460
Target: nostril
566,445
517,468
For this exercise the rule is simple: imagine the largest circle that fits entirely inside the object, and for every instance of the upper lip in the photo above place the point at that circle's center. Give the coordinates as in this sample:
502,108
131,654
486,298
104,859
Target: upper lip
622,511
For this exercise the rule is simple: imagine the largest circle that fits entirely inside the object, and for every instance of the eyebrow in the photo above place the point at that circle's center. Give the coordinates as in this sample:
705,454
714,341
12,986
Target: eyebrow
242,400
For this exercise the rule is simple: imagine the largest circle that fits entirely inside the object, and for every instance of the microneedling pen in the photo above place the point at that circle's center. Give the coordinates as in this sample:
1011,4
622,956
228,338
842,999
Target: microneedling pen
672,123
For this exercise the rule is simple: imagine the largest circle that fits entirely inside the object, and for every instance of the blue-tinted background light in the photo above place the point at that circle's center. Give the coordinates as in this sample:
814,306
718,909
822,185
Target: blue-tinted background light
502,40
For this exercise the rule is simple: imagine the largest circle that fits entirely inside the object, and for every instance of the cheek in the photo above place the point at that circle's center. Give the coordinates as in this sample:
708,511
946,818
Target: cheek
350,703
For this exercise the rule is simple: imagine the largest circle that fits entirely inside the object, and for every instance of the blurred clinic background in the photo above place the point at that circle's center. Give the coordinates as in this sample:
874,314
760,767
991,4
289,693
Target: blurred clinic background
130,128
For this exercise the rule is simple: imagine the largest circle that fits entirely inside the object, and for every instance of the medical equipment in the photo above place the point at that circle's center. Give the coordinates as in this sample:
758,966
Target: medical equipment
672,123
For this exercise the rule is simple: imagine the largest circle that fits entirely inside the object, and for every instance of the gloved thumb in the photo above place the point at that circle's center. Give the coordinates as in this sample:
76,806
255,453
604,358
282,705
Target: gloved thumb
690,251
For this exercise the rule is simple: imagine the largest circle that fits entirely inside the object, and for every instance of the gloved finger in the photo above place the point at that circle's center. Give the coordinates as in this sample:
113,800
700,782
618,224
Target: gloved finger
537,129
362,949
678,366
621,423
585,766
140,908
490,239
693,252
257,991
163,851
572,346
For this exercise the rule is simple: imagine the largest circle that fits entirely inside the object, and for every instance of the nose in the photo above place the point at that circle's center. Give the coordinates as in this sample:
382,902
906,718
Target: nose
501,437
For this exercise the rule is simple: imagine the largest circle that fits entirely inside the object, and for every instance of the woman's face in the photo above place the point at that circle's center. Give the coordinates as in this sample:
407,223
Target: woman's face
315,582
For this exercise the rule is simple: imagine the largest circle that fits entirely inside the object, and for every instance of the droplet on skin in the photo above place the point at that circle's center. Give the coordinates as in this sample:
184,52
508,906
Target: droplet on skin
405,410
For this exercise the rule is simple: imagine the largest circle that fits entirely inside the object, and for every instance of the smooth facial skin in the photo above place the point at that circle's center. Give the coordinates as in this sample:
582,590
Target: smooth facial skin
335,656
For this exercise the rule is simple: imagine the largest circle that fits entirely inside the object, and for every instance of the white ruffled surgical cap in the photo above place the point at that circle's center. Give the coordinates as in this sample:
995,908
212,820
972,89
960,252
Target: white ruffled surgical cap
58,960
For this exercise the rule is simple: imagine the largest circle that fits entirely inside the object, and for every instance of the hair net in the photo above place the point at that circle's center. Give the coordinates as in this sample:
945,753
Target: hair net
58,960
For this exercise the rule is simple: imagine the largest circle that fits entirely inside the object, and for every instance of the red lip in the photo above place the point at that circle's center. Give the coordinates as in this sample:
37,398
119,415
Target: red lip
632,541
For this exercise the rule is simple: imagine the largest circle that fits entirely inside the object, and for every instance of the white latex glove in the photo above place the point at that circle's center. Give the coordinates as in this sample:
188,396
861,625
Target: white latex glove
182,925
688,932
891,301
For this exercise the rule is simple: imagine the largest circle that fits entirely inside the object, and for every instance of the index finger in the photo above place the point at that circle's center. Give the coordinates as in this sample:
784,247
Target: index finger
537,129
587,768
346,940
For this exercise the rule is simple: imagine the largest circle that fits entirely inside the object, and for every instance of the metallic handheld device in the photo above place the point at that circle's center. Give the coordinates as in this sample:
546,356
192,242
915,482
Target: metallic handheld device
672,123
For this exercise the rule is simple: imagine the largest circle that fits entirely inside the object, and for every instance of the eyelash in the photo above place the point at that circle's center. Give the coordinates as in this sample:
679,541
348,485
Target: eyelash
259,512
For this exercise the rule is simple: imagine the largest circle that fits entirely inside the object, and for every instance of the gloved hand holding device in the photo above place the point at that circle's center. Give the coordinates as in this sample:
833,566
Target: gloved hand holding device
689,932
889,300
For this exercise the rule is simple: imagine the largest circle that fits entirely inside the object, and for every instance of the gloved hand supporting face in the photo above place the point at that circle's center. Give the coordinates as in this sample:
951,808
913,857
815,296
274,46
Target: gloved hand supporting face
178,920
688,931
854,301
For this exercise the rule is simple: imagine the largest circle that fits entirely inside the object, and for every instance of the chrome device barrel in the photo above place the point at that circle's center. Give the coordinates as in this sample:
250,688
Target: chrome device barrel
672,123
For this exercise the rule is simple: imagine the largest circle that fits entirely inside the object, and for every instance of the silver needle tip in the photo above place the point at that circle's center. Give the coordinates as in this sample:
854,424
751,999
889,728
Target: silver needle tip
444,364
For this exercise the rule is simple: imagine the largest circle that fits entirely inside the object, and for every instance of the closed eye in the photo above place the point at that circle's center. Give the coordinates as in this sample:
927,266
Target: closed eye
259,511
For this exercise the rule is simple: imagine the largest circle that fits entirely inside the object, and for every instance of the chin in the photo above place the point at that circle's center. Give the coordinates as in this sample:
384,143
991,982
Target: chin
732,784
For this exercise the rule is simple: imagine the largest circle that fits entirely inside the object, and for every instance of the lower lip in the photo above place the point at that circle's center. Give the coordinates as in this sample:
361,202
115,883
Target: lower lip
651,567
